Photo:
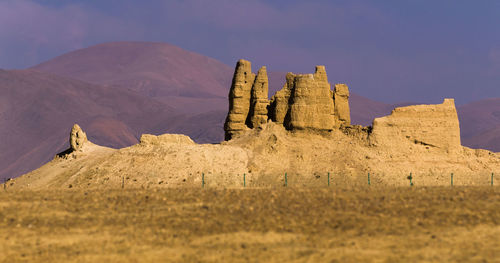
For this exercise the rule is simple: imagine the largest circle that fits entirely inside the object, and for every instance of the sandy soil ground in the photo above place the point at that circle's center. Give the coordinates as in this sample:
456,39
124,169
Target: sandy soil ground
369,224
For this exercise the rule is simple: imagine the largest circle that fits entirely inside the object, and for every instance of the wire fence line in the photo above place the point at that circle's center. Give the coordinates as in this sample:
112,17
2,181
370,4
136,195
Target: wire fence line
331,179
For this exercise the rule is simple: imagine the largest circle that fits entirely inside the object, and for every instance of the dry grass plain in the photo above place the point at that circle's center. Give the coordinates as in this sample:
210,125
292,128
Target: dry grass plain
368,224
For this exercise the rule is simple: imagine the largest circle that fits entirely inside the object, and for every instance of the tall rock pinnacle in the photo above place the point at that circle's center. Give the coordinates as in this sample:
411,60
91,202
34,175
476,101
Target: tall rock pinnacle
259,102
239,99
77,138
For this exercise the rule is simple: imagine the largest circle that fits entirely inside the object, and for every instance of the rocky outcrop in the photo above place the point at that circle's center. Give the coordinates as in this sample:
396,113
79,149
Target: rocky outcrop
342,113
77,138
306,102
259,102
428,125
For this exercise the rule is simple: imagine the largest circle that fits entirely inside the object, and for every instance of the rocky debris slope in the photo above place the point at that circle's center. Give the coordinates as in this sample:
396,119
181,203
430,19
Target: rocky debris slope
263,155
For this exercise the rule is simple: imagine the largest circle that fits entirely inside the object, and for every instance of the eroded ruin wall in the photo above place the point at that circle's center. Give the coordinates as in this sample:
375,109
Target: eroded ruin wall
280,102
306,102
311,102
429,125
342,111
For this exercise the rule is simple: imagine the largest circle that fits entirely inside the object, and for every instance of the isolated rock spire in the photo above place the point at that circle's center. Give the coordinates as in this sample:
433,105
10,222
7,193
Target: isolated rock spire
77,138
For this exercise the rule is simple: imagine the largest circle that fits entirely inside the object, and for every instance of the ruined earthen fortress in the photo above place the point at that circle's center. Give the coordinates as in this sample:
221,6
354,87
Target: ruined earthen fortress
303,131
306,102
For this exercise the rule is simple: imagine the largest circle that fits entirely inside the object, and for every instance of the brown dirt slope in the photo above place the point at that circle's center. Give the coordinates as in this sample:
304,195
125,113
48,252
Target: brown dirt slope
264,155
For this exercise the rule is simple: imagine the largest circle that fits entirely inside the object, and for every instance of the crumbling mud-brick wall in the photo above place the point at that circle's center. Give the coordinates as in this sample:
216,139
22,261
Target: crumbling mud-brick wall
429,125
311,104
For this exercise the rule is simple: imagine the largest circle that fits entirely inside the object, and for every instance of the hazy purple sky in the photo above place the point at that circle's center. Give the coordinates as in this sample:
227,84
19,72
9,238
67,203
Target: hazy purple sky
391,51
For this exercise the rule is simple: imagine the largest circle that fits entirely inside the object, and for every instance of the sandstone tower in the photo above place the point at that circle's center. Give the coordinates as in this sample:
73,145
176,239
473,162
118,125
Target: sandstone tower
306,102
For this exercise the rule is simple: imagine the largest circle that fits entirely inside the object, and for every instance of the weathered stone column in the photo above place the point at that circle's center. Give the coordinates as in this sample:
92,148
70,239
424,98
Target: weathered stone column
259,101
342,111
239,99
77,138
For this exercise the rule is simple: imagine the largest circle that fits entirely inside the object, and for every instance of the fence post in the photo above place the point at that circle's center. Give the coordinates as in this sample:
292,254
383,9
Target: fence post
411,179
244,183
123,182
451,179
328,178
368,178
203,180
286,180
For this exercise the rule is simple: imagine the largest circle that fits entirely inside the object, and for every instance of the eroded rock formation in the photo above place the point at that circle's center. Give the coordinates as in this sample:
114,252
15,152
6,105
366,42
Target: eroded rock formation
239,99
422,139
311,104
429,125
77,138
259,102
306,102
342,113
280,102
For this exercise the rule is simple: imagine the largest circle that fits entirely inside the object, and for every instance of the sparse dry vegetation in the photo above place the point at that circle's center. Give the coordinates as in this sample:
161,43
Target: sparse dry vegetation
371,224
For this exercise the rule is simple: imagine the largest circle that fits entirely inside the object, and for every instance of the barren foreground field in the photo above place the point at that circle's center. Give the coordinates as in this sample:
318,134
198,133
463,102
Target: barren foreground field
257,225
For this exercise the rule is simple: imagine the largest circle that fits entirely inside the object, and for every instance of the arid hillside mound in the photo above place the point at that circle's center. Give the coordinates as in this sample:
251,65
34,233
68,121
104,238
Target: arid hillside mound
264,155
